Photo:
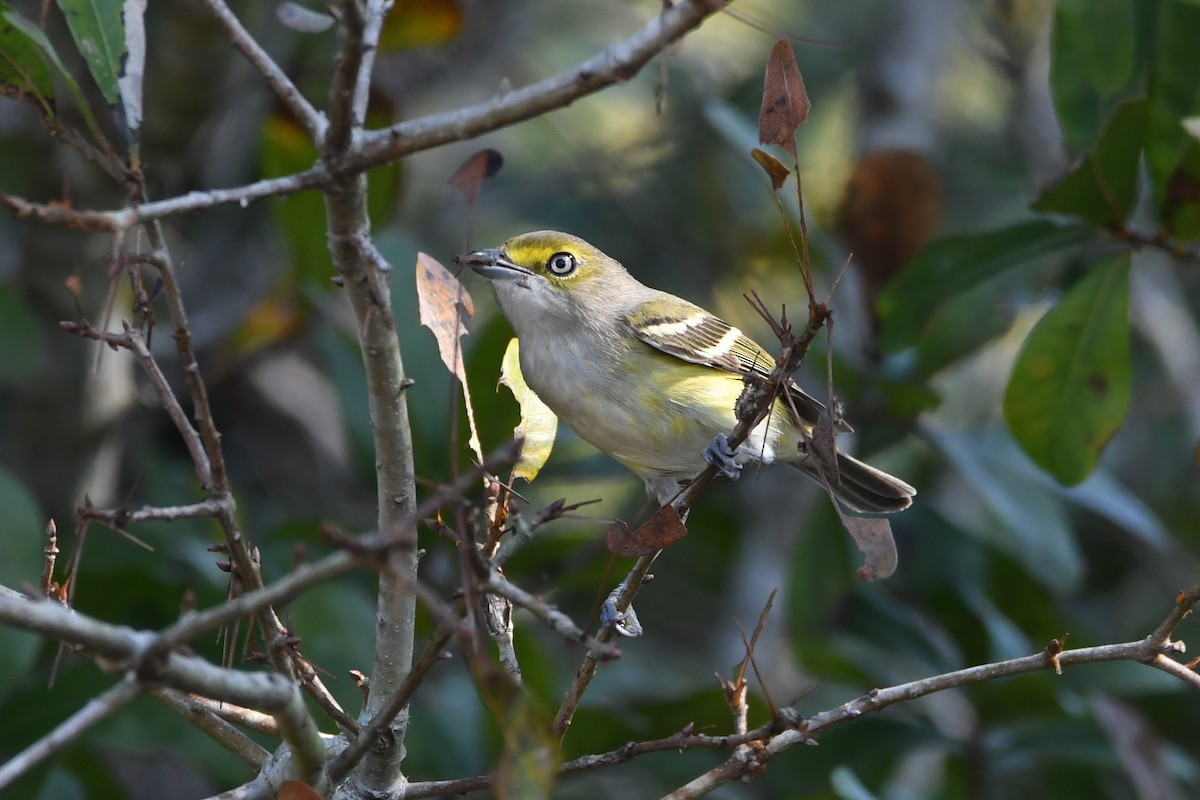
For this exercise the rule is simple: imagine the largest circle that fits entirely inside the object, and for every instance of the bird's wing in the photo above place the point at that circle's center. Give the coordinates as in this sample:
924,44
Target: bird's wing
688,332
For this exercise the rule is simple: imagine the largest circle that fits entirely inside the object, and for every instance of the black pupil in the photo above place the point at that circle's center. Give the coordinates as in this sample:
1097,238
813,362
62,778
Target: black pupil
562,263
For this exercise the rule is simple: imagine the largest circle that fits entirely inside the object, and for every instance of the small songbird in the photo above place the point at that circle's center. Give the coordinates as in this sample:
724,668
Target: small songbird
650,378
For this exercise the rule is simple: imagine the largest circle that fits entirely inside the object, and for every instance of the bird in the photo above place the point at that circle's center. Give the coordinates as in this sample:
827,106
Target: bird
651,379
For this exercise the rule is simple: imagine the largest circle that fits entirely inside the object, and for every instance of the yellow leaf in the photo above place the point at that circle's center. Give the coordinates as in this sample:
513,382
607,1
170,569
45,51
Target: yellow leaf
538,423
416,23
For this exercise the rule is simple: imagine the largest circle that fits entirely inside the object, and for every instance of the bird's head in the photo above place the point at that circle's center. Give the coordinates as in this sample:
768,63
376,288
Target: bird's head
555,277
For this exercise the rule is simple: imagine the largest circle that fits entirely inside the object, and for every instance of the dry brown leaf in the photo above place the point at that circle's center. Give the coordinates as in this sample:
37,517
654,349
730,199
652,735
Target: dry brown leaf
444,307
785,102
469,177
297,790
775,169
873,535
659,532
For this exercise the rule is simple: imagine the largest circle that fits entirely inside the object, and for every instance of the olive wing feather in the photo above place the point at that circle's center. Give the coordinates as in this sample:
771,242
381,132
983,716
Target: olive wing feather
688,332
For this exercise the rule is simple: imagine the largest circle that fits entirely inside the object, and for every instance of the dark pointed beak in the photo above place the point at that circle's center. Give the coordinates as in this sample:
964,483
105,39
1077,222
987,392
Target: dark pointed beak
493,265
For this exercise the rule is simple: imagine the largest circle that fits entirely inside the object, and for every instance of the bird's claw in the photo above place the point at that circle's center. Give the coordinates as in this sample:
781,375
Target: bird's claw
623,622
722,456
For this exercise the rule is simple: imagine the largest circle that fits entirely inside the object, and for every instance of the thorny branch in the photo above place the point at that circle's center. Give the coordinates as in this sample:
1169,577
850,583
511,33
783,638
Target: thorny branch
754,748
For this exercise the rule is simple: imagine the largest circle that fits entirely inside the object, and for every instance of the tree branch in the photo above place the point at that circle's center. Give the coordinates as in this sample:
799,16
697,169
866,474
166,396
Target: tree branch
141,653
619,62
207,716
96,709
310,119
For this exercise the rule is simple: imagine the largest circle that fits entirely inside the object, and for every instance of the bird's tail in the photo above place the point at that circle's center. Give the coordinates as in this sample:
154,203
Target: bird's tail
860,487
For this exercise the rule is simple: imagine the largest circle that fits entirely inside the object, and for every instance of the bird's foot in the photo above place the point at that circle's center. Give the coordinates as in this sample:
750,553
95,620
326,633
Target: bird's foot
721,455
623,622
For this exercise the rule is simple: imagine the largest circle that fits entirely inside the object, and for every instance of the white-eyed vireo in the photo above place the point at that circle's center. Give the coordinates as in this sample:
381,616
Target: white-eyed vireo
647,377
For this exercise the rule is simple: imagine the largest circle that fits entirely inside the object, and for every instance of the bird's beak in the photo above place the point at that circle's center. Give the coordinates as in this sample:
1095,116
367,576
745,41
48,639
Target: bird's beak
493,265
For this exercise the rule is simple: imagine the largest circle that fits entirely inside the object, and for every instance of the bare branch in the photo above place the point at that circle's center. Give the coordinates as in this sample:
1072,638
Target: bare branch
309,118
122,517
346,76
238,715
210,717
96,709
574,695
739,765
1185,602
619,62
124,219
559,622
141,653
132,341
376,11
62,214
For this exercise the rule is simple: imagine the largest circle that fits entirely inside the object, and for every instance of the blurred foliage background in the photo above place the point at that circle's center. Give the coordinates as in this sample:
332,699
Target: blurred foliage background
936,127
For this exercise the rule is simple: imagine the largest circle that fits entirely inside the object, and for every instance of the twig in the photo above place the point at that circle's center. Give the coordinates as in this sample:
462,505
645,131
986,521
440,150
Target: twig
1147,651
96,709
346,76
376,11
587,670
205,715
122,517
51,557
121,649
132,341
309,118
238,715
559,622
124,219
619,62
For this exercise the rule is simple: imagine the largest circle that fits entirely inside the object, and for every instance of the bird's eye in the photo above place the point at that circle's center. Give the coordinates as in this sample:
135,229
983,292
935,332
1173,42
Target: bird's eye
561,264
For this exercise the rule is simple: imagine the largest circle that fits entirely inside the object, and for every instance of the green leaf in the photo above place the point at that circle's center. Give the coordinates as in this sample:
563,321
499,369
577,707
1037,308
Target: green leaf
22,68
949,267
1093,51
100,36
1070,387
1103,188
1174,95
35,35
538,425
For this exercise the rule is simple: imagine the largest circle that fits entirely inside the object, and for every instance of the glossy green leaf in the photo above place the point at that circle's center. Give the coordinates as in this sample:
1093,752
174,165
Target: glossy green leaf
1093,49
35,35
22,67
1174,96
100,36
949,267
1102,189
538,425
1070,387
